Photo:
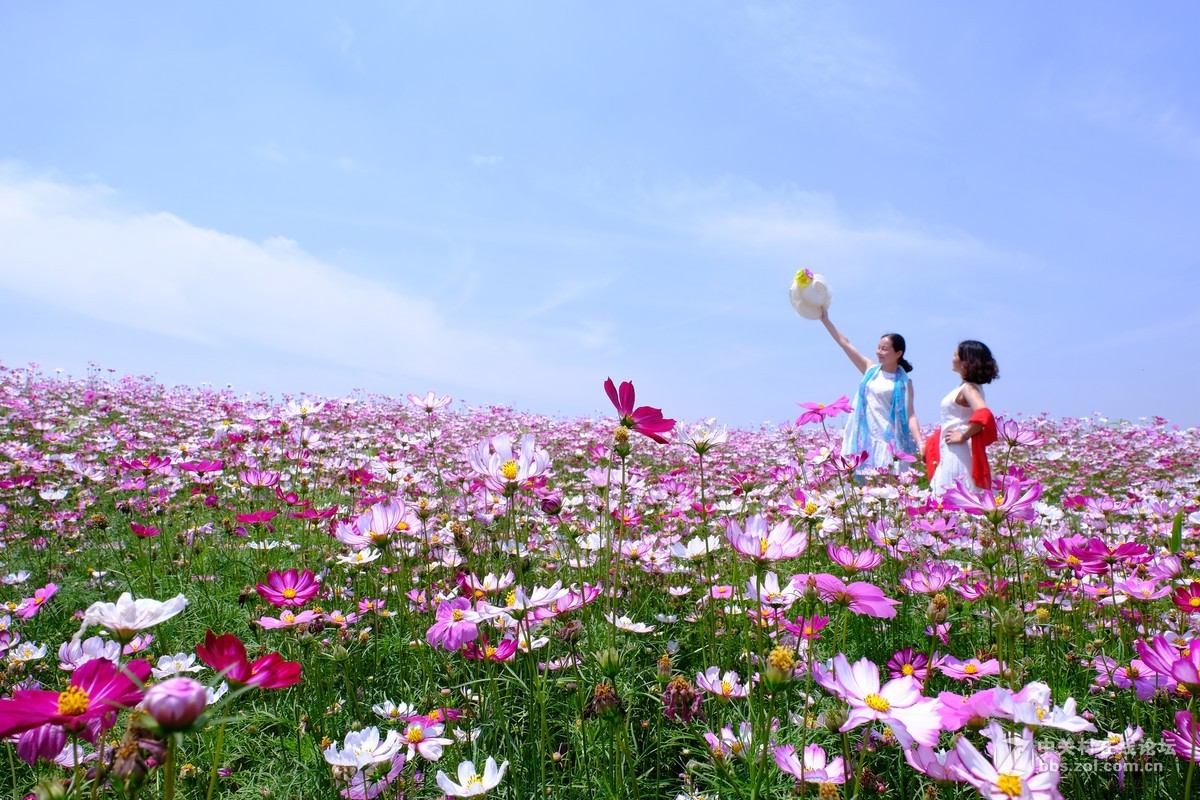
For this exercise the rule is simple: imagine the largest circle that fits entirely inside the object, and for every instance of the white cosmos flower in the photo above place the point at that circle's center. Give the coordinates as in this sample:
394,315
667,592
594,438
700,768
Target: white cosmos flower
391,711
27,651
124,618
364,748
74,654
626,624
177,664
471,783
360,558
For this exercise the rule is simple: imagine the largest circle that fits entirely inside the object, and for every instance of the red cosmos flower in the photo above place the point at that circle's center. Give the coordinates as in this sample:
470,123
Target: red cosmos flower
645,420
145,531
227,655
1187,598
89,705
289,588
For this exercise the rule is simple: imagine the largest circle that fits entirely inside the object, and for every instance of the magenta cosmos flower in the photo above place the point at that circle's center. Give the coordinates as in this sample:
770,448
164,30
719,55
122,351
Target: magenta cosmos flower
455,625
88,705
31,605
818,412
644,420
898,703
227,655
290,588
860,597
763,544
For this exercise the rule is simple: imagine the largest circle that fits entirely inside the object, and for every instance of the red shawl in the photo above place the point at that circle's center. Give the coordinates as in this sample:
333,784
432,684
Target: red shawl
981,473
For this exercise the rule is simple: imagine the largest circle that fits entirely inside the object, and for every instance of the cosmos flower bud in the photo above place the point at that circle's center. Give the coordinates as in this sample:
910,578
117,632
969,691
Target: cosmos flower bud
551,505
781,663
1013,621
938,608
176,703
835,718
664,667
681,701
610,662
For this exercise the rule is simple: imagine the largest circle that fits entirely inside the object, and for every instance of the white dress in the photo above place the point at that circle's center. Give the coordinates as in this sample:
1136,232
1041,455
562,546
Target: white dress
879,406
955,459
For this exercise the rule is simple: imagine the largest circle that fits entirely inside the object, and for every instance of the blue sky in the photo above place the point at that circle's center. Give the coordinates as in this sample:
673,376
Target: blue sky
509,202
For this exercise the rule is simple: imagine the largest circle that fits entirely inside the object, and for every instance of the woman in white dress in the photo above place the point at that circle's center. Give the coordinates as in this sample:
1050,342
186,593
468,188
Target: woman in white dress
884,420
962,418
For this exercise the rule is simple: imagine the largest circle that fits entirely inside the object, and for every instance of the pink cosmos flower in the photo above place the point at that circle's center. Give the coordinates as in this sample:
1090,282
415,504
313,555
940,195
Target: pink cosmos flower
429,402
813,765
724,686
86,707
501,651
803,628
1016,501
898,703
940,765
505,470
426,739
970,670
289,588
909,663
1013,435
455,626
144,531
287,619
1185,739
851,561
378,525
32,605
930,579
761,544
227,655
644,420
860,597
1015,769
259,478
818,412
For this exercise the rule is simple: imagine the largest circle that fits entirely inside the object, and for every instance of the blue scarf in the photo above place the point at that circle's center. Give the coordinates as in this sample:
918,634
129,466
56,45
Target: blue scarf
897,432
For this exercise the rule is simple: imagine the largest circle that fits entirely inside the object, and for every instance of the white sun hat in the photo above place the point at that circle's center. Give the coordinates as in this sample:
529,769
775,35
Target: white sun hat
810,294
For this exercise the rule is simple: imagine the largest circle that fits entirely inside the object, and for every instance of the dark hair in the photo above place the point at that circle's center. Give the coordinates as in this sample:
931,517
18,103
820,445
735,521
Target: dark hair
977,362
898,345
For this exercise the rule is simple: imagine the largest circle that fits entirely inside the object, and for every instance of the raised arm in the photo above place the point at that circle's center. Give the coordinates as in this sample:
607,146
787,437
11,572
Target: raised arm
858,359
974,398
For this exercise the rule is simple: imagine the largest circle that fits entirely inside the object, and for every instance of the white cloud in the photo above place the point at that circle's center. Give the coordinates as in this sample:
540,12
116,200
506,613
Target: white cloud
75,250
486,160
794,226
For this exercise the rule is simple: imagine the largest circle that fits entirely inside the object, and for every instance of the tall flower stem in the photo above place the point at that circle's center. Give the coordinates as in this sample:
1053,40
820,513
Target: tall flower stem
212,774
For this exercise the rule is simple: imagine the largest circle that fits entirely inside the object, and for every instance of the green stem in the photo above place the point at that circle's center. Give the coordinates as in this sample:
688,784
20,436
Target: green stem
212,775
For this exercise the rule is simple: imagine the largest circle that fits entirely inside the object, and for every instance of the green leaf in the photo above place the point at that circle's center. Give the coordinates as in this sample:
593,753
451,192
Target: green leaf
1177,532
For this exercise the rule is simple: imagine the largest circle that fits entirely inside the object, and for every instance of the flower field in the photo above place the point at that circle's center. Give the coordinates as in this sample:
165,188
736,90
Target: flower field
204,594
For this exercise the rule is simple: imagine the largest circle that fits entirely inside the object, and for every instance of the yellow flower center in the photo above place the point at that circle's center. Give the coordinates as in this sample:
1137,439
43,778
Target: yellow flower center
736,747
1073,560
489,651
1009,784
726,687
1041,712
810,507
456,615
415,735
474,779
762,547
511,598
289,593
72,701
1194,602
509,470
970,669
907,669
1114,739
876,703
